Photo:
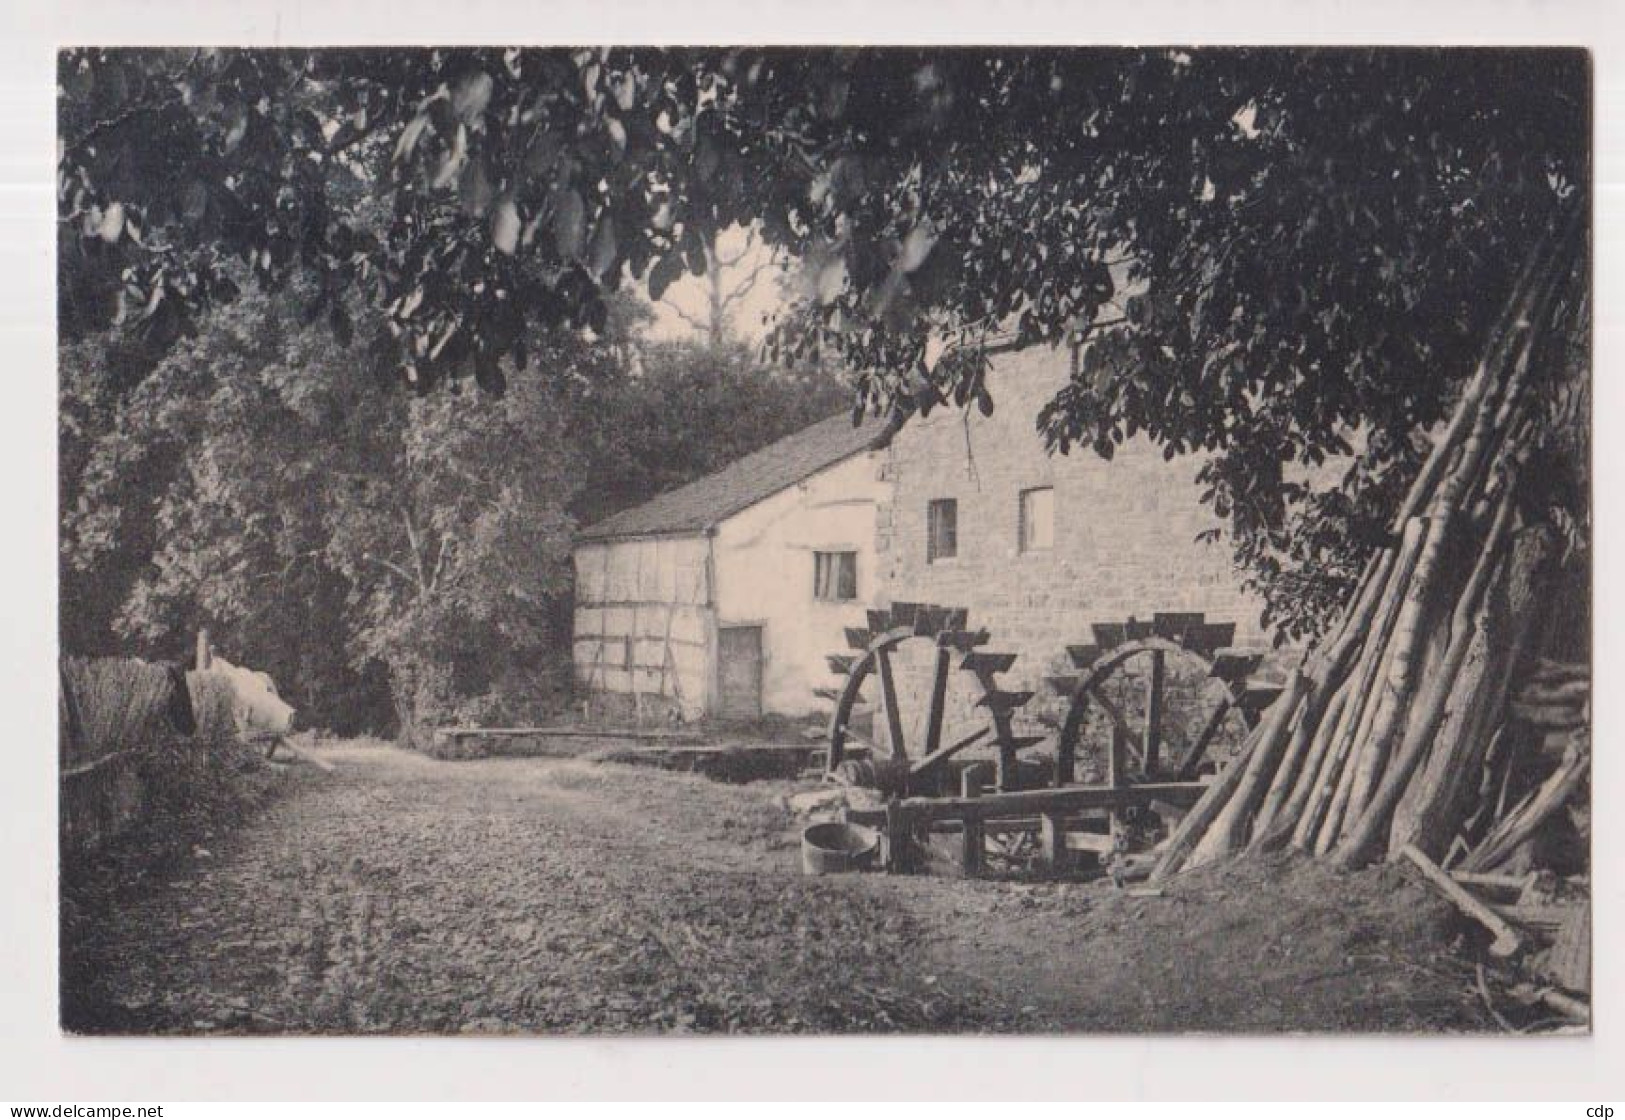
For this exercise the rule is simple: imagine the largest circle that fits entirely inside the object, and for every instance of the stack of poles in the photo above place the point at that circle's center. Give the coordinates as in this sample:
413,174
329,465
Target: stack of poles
1378,736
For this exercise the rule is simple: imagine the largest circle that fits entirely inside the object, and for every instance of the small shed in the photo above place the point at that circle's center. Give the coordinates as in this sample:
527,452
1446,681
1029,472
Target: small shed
722,597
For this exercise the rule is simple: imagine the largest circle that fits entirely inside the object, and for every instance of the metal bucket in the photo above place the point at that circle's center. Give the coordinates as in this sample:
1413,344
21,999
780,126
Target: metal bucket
834,846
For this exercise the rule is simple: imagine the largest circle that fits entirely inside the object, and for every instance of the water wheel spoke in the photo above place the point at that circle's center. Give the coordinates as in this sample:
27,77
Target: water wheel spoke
894,714
939,700
1193,756
1119,722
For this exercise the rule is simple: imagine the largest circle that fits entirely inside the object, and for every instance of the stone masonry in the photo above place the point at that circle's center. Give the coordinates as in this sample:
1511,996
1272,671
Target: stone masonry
1124,531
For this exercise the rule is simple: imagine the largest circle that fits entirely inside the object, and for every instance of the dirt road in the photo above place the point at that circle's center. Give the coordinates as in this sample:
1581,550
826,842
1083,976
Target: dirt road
404,894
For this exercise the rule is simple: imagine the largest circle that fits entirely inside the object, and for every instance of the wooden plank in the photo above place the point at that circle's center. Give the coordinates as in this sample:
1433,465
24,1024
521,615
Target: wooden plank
963,640
841,663
858,638
1083,656
1259,697
904,614
1234,667
1570,959
1101,843
1108,635
928,620
1210,637
1173,625
1001,701
987,662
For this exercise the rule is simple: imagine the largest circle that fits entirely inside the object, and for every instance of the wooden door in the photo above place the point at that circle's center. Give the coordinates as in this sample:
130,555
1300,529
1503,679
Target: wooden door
739,672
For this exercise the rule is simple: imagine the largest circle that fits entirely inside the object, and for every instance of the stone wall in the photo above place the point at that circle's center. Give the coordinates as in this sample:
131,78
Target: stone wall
1124,535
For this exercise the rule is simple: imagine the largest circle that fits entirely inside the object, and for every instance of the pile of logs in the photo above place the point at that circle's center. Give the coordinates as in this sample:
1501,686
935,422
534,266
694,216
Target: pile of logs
1383,737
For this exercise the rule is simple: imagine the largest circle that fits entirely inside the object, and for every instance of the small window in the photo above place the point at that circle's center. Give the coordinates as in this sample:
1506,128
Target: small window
1037,516
941,530
835,576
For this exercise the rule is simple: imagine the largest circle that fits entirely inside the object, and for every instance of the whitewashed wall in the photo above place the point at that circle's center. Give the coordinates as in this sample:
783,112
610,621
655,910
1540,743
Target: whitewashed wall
764,576
635,601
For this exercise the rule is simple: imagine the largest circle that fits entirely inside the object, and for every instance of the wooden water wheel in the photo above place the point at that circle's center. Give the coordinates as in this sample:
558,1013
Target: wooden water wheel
896,766
1136,754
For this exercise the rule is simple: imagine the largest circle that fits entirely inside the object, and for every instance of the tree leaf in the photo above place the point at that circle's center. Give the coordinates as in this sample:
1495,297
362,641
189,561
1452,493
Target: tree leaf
477,188
666,271
601,257
505,226
452,164
471,97
410,135
917,246
831,279
569,223
112,223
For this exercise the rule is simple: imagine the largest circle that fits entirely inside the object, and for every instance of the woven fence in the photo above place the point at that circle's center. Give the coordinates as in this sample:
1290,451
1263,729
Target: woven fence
122,761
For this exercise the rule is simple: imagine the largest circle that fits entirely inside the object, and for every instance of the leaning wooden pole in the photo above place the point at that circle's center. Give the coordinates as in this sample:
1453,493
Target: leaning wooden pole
1359,755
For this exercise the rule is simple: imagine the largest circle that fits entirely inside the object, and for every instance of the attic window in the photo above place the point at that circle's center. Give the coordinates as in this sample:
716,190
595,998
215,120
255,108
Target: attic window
941,530
835,576
1037,519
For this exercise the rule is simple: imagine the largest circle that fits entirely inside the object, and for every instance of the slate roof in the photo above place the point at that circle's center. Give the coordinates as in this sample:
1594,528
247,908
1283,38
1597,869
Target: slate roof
706,502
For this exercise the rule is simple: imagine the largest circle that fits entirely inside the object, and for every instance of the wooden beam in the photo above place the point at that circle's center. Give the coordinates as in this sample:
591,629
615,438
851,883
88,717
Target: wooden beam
1153,711
571,733
942,754
979,663
1507,941
939,700
1193,757
1052,849
896,836
971,779
894,717
973,841
1031,802
1116,777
